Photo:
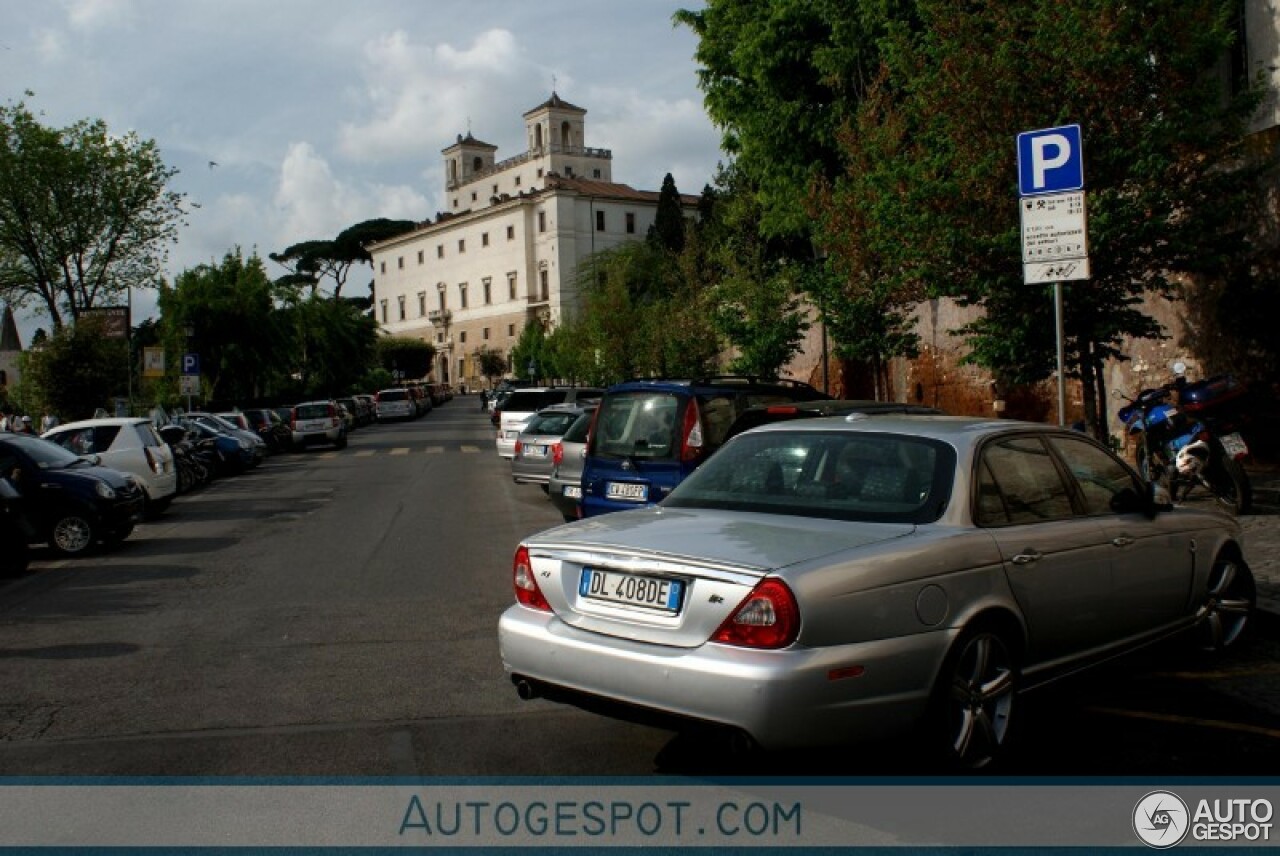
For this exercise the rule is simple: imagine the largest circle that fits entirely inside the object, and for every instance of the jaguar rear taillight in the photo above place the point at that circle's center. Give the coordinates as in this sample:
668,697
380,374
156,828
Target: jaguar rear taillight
769,617
527,591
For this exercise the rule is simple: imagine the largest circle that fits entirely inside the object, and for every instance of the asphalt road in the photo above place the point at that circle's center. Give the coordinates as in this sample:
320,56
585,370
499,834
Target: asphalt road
333,614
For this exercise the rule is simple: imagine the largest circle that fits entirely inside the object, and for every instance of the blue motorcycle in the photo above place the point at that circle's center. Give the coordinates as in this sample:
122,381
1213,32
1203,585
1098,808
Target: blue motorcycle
1186,437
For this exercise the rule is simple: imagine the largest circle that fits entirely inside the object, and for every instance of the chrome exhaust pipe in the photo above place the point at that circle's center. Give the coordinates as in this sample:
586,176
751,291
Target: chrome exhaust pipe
526,690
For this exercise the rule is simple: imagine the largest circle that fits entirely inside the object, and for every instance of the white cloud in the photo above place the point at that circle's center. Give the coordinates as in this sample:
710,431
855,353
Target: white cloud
92,15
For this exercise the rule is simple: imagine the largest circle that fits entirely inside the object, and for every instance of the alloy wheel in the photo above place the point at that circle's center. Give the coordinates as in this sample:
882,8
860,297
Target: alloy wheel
1225,614
979,699
72,535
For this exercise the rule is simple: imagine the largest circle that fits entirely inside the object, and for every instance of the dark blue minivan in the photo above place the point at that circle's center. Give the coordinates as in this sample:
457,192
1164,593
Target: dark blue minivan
649,434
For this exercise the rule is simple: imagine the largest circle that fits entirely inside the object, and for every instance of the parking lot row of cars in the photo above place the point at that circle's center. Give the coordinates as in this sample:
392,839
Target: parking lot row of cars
89,482
792,572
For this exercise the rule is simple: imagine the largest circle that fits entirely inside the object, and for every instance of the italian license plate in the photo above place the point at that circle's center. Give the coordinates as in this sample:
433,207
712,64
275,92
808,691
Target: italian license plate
624,490
1233,445
535,451
631,589
572,491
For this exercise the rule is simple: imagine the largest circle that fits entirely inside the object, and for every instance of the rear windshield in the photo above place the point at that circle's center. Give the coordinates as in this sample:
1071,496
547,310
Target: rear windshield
393,395
528,401
312,411
842,475
550,424
638,424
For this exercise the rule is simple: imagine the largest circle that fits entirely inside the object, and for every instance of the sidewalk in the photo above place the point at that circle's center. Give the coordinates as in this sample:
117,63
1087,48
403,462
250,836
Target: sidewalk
1262,536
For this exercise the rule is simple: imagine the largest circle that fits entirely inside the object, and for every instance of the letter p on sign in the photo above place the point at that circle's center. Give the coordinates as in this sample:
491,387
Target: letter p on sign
1050,161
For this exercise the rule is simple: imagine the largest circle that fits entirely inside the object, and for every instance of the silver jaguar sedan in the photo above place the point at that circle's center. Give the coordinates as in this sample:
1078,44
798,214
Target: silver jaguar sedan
840,579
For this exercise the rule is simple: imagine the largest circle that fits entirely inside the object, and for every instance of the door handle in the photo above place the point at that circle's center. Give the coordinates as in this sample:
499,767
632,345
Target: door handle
1122,541
1027,557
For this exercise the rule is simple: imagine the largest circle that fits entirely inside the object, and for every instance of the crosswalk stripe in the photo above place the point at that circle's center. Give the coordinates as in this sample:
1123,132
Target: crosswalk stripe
365,453
470,448
401,450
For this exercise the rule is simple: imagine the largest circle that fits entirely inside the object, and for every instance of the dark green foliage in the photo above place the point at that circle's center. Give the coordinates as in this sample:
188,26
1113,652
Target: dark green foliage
311,262
668,222
79,370
412,357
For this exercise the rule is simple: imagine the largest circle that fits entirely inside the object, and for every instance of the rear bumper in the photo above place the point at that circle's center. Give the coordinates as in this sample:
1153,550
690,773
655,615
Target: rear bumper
781,699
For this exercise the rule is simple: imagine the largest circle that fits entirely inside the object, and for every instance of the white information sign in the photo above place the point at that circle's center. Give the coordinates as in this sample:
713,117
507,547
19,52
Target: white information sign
1053,227
1063,271
188,384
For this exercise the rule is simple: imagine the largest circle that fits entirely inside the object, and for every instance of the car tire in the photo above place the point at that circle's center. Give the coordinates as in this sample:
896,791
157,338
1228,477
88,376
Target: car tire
1225,616
72,534
974,700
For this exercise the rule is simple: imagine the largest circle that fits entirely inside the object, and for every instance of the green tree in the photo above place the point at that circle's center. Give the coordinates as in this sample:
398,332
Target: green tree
531,350
85,214
412,357
781,77
668,221
311,262
226,314
78,370
1170,190
335,345
492,363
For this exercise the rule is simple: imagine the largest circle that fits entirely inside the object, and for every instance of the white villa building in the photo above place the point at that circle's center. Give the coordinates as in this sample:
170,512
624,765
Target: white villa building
507,251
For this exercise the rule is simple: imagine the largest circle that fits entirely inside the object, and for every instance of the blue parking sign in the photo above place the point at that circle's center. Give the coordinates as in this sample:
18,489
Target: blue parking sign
191,364
1050,160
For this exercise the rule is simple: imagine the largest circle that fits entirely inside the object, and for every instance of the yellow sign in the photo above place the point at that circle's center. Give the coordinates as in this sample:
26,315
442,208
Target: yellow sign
153,362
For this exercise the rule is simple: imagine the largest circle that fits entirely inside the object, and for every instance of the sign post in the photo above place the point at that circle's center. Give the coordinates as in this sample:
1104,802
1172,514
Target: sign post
190,380
1054,234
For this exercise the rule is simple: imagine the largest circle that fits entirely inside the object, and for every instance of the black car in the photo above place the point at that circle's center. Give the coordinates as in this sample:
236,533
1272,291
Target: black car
71,502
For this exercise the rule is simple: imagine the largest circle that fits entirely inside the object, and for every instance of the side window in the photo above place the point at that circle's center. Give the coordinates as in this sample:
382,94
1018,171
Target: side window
1099,475
718,413
1030,488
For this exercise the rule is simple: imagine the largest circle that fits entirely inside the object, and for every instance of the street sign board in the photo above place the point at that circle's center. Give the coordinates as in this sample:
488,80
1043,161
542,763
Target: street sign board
1050,160
1060,271
189,384
191,364
153,362
115,320
1053,227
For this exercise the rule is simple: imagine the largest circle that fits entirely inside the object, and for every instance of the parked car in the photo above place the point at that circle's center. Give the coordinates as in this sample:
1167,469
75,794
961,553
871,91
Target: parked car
71,503
564,486
360,415
271,427
255,445
319,423
130,445
522,404
237,454
650,434
536,447
395,404
827,581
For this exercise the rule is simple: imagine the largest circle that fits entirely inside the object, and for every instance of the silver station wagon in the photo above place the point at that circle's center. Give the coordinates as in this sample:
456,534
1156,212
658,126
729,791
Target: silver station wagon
837,580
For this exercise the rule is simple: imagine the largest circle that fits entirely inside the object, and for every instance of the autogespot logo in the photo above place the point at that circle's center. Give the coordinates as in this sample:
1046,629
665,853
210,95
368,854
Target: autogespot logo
1161,820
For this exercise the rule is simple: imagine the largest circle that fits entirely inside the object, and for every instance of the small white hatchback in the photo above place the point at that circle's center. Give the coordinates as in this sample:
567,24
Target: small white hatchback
128,444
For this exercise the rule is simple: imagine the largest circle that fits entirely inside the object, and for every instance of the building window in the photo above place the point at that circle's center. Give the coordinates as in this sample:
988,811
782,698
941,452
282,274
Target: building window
484,239
461,367
462,295
442,300
542,281
439,251
595,173
455,202
420,255
542,221
473,196
599,221
422,303
485,334
382,267
511,233
517,181
511,329
462,337
568,170
400,300
400,262
631,223
539,172
511,286
384,312
495,190
462,245
488,290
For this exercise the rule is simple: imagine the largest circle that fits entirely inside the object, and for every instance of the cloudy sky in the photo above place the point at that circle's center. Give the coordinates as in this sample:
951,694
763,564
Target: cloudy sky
321,113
